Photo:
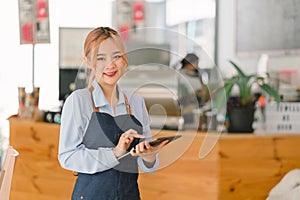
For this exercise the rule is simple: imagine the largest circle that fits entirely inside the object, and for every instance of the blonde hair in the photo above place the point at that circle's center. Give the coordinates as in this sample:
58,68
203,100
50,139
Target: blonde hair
93,41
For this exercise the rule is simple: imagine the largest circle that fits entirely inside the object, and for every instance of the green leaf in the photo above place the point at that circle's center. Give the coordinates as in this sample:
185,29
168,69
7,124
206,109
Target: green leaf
222,96
271,91
240,72
244,83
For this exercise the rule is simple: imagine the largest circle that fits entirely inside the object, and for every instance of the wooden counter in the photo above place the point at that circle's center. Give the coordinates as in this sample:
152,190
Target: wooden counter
183,176
251,165
37,173
239,166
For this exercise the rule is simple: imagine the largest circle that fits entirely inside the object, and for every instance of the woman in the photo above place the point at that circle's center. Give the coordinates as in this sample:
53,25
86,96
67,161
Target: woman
189,64
190,73
190,86
99,124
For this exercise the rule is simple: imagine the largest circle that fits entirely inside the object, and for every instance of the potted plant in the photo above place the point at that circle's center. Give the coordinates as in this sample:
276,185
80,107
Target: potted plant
241,108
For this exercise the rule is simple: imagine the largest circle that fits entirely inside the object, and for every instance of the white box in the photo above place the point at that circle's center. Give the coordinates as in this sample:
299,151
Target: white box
283,127
283,118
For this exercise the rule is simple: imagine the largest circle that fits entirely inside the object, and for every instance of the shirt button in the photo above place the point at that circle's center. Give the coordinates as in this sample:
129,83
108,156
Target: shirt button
81,197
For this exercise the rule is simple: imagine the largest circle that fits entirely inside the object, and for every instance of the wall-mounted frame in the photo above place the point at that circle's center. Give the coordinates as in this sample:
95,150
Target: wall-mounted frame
71,42
267,26
34,21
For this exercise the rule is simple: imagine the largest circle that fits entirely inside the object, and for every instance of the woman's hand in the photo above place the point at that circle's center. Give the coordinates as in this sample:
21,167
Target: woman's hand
125,141
146,151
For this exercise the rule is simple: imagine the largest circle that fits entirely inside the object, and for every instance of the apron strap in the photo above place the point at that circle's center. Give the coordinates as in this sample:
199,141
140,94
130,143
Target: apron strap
127,105
91,90
96,109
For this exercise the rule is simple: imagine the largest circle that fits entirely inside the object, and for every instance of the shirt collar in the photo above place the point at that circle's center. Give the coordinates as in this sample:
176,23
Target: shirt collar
99,98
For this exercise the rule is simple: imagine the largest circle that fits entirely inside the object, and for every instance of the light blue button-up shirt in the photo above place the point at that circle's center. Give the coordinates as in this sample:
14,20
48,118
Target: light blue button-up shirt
76,114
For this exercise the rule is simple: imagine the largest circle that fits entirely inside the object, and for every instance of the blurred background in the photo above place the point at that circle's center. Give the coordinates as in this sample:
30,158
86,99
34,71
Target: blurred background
214,29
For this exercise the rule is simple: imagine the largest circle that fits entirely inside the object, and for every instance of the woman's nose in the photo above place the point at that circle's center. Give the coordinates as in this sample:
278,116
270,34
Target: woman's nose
110,63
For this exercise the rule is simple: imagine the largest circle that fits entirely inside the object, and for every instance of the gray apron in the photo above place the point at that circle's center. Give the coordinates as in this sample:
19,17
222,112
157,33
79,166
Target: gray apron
119,183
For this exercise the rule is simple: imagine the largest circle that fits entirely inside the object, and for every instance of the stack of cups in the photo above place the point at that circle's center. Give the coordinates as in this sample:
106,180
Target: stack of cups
28,102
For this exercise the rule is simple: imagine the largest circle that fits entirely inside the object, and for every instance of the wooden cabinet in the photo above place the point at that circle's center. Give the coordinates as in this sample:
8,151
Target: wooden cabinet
187,177
239,166
250,165
37,173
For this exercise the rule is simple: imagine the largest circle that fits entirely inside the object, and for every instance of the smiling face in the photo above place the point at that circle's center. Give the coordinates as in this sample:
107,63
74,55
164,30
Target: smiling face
110,64
104,54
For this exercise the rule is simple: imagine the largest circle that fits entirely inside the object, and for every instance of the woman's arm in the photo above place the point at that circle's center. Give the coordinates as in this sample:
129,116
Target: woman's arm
73,155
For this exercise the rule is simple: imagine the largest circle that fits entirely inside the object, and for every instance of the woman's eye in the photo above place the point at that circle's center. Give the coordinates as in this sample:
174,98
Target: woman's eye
101,58
116,57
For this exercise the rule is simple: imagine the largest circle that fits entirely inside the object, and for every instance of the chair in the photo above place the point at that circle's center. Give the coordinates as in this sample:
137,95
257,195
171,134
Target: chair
7,172
288,187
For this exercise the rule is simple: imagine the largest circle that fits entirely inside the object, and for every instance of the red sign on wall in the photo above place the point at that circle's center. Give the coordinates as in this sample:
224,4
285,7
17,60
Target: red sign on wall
34,21
138,12
130,16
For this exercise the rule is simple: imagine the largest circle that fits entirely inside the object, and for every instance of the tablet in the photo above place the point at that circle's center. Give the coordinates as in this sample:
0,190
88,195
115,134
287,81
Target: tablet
159,140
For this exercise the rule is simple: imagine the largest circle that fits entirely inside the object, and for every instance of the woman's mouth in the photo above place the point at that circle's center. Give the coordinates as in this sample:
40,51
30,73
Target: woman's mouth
110,74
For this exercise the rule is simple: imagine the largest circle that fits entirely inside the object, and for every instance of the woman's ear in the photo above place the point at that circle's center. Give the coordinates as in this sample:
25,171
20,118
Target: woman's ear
88,62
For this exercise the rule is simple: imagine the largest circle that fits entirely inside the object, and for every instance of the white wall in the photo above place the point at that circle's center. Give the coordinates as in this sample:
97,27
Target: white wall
226,45
16,62
16,59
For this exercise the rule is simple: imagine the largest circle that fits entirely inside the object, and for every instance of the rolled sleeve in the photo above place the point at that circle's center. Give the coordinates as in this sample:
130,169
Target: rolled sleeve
146,169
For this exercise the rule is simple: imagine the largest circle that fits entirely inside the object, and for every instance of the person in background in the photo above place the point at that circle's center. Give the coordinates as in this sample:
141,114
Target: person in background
100,124
189,64
190,87
190,82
